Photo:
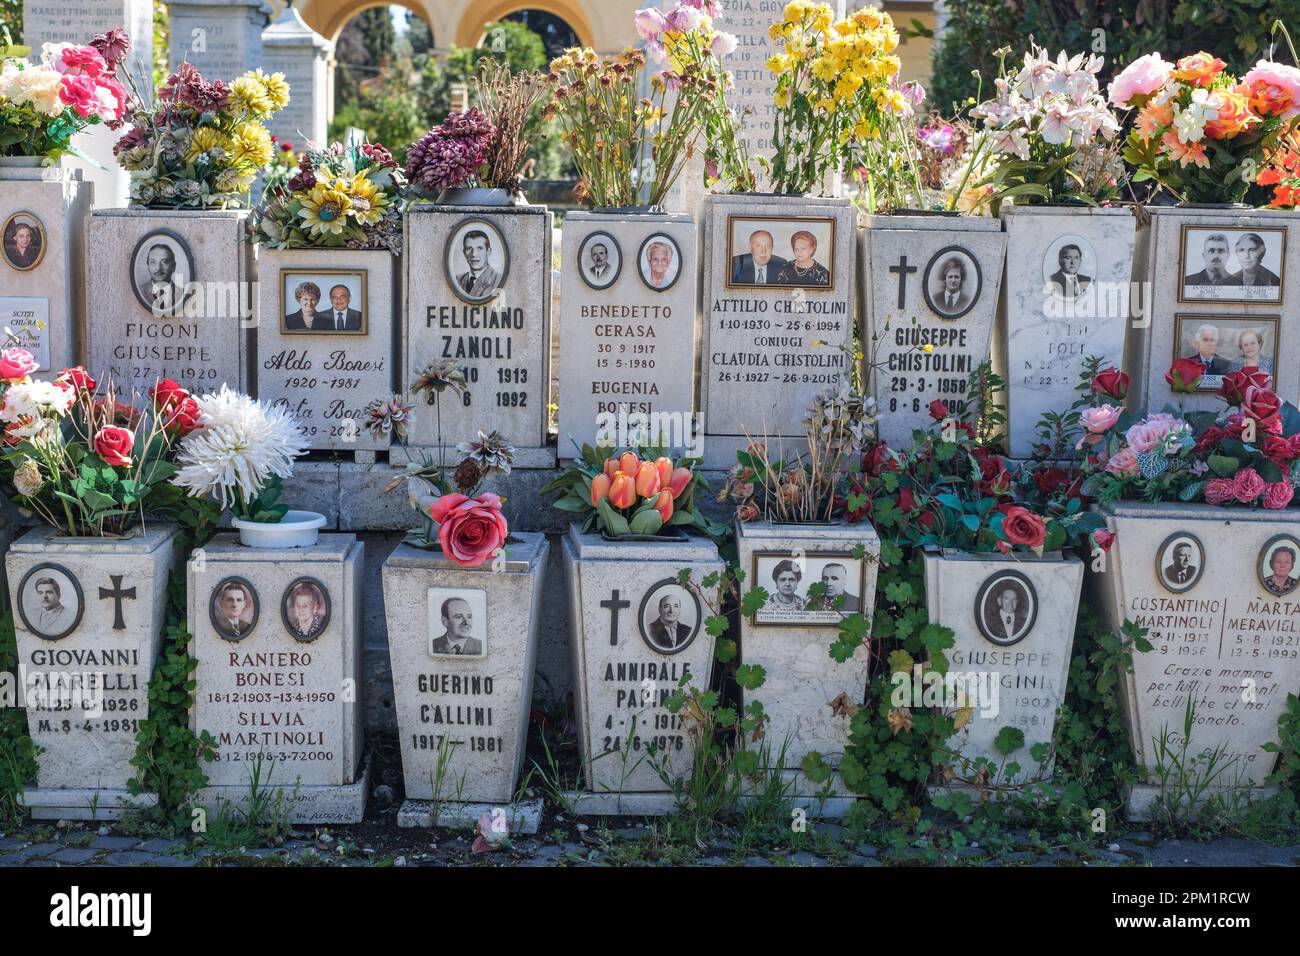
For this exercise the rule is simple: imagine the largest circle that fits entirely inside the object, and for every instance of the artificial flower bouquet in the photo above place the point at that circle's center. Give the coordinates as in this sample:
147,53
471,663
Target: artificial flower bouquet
200,145
1281,173
630,149
1247,454
239,453
641,492
84,462
43,105
339,197
1201,133
1047,134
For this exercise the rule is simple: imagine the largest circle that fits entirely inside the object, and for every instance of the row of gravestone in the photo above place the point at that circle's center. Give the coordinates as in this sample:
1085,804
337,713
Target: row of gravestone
768,315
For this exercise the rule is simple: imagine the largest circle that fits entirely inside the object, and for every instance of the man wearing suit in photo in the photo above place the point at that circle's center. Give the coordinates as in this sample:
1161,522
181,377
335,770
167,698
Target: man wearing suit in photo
1069,284
1214,251
667,630
1180,570
949,298
1207,351
758,266
1007,617
480,280
458,628
341,317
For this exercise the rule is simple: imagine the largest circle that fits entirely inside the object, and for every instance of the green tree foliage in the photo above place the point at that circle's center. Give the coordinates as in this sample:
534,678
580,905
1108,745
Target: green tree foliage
1120,30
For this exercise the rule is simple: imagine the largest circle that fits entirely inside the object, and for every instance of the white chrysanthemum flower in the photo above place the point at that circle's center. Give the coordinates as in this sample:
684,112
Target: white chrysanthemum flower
29,400
239,446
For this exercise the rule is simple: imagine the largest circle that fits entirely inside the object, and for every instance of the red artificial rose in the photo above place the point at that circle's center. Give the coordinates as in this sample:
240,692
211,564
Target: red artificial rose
1209,439
470,530
1261,404
906,501
1278,494
1103,539
114,444
181,416
1275,448
995,480
1022,526
1112,383
77,377
879,458
1050,480
926,520
1185,375
938,410
1233,388
166,392
1247,485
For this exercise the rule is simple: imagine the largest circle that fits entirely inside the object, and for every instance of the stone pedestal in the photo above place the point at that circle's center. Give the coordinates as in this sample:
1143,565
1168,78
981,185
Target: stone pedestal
291,47
277,634
223,38
1199,579
806,690
198,333
906,263
1013,620
628,373
78,21
1171,264
463,717
625,666
88,616
42,291
770,347
1069,273
491,317
328,374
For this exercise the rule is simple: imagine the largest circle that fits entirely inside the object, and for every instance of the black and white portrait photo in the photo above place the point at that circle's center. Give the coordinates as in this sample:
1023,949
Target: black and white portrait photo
476,260
457,622
24,241
1277,564
50,601
789,252
952,282
660,262
161,270
1224,344
305,609
1232,265
1069,267
600,260
324,301
1006,607
233,608
1179,562
670,617
790,582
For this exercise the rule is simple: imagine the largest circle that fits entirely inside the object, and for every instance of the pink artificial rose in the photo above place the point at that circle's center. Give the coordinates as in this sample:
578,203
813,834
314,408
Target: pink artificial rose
16,364
470,530
724,44
81,93
1123,464
81,59
1284,81
112,99
1218,491
1100,419
1142,77
1277,494
650,23
1247,485
1148,434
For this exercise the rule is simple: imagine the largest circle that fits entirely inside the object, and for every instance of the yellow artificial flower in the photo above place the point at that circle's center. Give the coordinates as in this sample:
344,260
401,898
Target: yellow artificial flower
277,89
325,210
826,104
778,63
248,94
368,201
250,146
204,139
782,98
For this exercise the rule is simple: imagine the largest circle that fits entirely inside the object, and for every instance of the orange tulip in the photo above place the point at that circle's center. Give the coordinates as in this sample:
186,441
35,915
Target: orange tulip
622,491
629,464
680,479
665,466
599,489
611,468
664,504
647,479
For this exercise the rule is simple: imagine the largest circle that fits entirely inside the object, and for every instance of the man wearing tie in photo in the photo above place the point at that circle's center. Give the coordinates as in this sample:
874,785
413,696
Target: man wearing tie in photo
165,293
1215,253
480,280
952,277
54,617
1067,280
340,317
1207,351
458,624
1009,618
1180,570
667,630
758,266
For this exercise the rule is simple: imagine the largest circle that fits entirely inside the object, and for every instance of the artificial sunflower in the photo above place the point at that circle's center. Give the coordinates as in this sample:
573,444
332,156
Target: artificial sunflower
325,210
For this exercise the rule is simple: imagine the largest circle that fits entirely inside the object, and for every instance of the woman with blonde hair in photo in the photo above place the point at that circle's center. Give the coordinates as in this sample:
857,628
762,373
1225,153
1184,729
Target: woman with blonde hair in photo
1250,342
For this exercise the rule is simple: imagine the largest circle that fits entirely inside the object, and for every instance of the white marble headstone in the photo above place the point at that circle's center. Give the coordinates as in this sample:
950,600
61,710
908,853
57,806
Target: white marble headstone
222,38
291,47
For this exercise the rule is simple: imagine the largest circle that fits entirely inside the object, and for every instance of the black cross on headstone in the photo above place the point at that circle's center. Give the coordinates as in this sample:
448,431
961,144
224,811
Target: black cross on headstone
117,592
903,270
614,605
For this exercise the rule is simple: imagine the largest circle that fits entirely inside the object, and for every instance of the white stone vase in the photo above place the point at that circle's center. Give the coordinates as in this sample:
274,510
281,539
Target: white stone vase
95,647
1222,638
1011,676
805,688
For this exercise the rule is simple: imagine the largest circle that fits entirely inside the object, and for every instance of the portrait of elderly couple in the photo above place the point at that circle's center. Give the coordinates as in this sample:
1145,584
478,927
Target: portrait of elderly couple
790,582
325,301
1222,344
234,608
1228,265
792,253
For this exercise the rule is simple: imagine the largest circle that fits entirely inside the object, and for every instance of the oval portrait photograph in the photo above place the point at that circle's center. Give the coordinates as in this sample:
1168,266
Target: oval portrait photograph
952,282
476,260
1006,607
305,609
660,262
1277,561
600,260
161,269
24,241
50,601
670,617
1179,562
233,608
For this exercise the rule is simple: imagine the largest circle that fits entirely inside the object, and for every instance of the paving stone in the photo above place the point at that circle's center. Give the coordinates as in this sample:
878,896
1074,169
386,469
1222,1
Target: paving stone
712,861
35,851
128,858
803,858
73,855
11,843
114,843
758,861
158,845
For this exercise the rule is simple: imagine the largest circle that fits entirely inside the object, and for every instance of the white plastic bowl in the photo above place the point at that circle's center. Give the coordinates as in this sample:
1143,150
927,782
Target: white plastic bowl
298,529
